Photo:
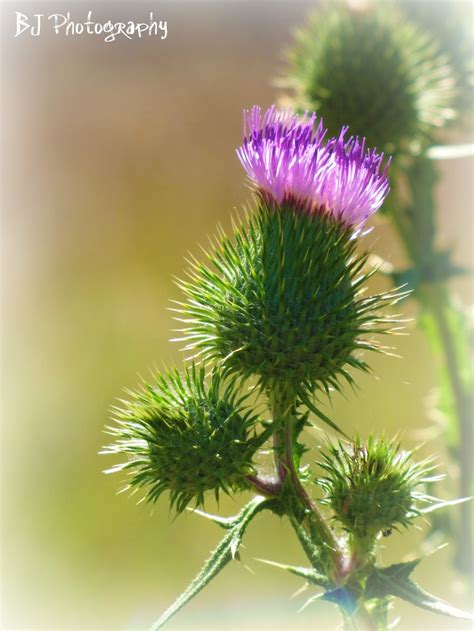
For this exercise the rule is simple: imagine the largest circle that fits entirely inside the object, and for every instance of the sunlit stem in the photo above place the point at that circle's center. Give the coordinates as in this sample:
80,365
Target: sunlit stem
283,404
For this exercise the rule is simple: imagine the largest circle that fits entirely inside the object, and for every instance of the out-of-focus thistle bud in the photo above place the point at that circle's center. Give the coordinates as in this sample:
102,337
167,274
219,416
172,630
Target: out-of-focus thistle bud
186,436
372,487
450,25
284,300
367,67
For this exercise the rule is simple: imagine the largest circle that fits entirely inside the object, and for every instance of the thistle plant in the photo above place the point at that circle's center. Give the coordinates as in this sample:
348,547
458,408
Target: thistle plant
399,72
374,69
274,318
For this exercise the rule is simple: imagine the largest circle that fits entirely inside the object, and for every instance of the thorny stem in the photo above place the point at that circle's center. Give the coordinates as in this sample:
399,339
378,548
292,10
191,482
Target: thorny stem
266,486
339,567
283,405
360,550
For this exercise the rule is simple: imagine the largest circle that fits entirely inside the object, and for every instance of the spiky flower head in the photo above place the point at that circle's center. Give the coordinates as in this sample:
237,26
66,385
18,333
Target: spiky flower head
372,486
291,162
284,299
371,69
186,436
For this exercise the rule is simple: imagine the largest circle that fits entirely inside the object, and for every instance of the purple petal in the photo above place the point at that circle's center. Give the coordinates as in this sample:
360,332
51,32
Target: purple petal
289,161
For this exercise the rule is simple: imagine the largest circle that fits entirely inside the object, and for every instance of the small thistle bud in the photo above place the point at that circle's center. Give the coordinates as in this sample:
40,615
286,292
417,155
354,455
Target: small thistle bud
372,486
186,437
284,299
369,68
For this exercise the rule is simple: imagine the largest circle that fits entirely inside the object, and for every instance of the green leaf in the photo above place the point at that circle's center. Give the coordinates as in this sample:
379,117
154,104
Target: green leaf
450,152
305,400
225,552
436,267
309,574
395,581
342,597
378,582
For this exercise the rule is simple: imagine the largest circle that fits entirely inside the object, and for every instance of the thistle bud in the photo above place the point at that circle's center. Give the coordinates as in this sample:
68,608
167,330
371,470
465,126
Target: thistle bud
372,486
284,299
371,69
185,436
447,24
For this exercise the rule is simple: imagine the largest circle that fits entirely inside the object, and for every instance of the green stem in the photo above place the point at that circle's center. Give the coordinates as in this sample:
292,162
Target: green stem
283,410
360,620
403,230
334,561
434,297
361,553
266,486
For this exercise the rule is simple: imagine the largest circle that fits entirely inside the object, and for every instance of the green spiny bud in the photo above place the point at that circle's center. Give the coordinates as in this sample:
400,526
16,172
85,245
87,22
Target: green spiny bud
374,71
185,436
283,301
372,486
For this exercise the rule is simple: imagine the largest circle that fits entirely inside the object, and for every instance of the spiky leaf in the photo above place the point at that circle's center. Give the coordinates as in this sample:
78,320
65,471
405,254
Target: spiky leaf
309,574
395,581
225,552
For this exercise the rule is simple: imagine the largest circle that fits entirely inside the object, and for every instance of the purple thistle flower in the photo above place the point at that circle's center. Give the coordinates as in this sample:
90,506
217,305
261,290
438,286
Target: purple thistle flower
289,162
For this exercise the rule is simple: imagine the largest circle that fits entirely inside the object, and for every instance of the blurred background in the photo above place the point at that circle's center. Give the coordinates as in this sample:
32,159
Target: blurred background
119,159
